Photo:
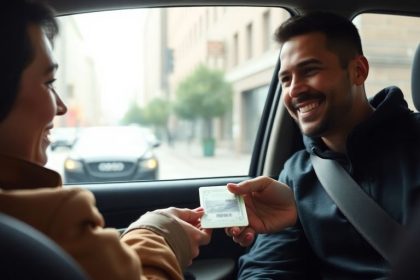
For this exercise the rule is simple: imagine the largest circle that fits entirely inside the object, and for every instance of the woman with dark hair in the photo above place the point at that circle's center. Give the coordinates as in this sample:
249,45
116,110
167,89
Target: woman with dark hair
159,245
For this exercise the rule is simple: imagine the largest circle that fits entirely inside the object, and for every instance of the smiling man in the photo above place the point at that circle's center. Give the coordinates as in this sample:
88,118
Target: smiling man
323,93
322,73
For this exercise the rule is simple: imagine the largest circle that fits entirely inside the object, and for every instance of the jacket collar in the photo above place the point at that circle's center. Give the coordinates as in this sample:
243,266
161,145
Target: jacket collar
20,174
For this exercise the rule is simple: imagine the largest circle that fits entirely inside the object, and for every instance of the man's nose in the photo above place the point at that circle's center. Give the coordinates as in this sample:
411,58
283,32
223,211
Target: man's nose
297,86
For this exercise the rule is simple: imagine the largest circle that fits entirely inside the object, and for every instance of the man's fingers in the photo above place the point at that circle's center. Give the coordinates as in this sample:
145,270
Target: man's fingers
245,188
234,231
246,237
253,185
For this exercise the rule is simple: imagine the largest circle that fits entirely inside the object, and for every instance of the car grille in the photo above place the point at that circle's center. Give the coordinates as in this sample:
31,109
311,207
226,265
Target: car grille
111,169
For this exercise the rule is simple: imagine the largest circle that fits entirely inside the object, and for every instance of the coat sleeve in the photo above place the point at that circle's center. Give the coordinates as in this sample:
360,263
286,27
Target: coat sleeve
161,244
158,261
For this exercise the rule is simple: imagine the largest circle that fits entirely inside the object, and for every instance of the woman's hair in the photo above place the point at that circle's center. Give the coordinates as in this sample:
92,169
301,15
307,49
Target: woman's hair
16,51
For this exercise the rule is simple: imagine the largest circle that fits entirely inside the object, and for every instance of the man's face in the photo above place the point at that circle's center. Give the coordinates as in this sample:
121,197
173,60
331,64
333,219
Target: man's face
24,132
317,91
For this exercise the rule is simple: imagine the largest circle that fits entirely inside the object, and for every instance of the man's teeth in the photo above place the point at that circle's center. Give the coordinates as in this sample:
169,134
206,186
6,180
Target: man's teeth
308,107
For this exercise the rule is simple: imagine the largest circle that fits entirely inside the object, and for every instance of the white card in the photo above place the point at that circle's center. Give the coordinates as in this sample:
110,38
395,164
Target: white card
222,208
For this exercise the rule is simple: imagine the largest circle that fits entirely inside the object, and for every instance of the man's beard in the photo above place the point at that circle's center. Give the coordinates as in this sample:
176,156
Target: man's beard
319,131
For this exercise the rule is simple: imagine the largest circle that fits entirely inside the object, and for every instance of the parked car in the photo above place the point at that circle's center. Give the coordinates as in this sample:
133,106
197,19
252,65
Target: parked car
63,137
111,154
254,138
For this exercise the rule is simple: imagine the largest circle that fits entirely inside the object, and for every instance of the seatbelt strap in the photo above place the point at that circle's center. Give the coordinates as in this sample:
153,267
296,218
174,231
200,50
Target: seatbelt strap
369,219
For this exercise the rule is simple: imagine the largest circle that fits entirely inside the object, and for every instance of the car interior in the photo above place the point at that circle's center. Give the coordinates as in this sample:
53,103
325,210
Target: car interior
274,140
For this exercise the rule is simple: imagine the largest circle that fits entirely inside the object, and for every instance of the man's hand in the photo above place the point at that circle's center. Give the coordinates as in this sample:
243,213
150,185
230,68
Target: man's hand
189,219
270,207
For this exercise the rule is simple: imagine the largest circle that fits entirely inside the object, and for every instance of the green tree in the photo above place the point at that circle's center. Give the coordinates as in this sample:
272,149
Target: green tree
134,115
157,114
204,94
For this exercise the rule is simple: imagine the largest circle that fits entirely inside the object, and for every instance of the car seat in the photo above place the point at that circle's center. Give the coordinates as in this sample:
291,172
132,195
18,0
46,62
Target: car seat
26,253
407,267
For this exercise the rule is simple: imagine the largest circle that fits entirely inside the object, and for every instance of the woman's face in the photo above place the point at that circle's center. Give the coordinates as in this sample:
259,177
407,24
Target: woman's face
24,132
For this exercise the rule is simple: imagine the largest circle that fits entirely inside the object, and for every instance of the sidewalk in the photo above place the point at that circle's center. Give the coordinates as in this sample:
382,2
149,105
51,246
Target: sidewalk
195,150
184,160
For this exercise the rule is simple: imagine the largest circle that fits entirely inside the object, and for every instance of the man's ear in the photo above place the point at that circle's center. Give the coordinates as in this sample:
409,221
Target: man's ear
360,69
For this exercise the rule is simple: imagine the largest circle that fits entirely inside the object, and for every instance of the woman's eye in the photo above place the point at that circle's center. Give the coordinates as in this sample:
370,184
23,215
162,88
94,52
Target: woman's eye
50,84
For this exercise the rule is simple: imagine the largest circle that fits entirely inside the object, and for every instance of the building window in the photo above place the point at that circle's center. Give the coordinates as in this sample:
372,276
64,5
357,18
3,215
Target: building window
266,31
249,41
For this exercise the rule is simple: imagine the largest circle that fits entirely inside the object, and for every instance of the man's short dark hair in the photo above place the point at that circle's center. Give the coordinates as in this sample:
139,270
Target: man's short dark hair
16,50
342,36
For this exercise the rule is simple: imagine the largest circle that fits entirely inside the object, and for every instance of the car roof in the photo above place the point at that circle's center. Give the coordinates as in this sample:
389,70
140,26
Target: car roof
346,8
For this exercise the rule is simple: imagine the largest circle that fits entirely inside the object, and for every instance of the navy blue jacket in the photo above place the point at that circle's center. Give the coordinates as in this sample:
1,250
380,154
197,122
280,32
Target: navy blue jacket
384,158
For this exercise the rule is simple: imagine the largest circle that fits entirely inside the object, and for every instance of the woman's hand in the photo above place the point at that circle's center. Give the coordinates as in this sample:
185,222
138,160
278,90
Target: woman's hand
189,219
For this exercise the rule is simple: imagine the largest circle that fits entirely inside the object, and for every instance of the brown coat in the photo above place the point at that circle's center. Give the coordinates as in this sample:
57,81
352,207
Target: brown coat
68,216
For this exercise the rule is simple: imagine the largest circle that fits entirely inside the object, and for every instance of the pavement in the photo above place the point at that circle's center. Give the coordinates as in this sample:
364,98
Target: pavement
186,160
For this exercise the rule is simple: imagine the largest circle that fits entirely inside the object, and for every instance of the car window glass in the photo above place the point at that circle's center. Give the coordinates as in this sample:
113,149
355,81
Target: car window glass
156,94
389,43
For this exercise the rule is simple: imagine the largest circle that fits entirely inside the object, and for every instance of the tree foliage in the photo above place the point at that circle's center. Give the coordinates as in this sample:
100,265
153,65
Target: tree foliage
204,94
134,115
155,113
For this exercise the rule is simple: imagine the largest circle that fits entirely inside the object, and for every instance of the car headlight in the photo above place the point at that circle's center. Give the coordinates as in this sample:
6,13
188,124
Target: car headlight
148,164
73,165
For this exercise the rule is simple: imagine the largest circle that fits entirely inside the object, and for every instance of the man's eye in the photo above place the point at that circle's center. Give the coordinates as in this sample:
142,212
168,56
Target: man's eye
310,71
285,80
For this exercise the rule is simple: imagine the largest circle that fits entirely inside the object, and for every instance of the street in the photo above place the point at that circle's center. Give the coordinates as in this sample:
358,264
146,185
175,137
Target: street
181,161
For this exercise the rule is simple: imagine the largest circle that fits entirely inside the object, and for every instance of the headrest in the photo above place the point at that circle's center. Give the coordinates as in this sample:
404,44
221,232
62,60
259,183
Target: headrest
415,79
